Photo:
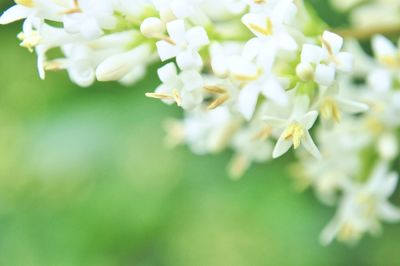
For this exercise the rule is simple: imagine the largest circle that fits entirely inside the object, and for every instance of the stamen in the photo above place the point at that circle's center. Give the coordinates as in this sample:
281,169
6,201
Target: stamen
177,97
30,40
329,110
331,54
267,31
218,102
160,96
295,132
215,89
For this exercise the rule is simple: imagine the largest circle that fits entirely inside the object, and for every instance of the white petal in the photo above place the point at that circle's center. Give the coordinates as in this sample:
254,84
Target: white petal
328,234
176,30
219,65
311,54
197,37
345,62
182,9
242,67
281,147
389,213
310,146
252,48
247,100
189,60
254,19
91,29
14,13
324,75
166,50
117,66
192,80
334,40
287,42
308,120
82,75
380,80
273,90
167,73
351,107
390,185
383,47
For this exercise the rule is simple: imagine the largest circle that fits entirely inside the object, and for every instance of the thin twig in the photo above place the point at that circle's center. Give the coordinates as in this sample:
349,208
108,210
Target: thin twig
366,33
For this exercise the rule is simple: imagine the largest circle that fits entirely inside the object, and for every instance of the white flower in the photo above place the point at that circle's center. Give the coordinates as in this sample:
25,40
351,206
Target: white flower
320,63
270,31
251,144
90,17
183,44
119,65
185,89
385,51
257,82
363,207
295,129
332,104
209,131
220,56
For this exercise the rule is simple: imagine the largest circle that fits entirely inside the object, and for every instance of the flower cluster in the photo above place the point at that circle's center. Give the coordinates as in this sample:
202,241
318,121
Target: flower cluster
354,171
91,39
251,76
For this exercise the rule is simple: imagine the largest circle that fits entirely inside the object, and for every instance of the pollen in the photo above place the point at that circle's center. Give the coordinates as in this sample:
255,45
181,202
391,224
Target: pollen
295,132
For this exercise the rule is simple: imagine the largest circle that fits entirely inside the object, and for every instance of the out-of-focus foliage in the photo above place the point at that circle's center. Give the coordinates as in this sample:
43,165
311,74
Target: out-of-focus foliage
85,180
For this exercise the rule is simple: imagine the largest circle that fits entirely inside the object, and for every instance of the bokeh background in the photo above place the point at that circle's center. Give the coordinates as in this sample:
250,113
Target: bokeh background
85,179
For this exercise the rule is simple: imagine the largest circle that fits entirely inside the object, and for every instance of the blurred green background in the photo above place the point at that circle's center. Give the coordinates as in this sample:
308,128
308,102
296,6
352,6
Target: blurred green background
85,180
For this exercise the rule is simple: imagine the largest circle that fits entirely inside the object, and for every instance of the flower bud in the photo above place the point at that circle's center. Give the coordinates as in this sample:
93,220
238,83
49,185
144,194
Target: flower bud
305,71
151,27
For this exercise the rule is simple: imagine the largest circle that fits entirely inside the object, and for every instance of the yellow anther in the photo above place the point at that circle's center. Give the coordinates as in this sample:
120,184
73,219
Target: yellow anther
295,132
267,30
330,110
348,233
218,101
389,61
27,3
30,40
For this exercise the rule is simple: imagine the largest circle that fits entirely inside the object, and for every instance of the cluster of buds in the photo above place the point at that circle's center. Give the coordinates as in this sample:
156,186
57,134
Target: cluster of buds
257,77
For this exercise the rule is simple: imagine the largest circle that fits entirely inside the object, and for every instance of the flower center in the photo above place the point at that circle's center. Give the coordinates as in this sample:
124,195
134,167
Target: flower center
295,132
29,40
330,110
268,30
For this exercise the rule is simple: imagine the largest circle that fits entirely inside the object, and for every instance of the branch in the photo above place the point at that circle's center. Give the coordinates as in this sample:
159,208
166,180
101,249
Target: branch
366,33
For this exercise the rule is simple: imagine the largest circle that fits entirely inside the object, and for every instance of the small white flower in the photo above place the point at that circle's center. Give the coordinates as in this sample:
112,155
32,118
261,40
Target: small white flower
251,145
363,207
90,17
257,82
183,44
185,89
209,131
295,129
270,31
332,104
325,60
